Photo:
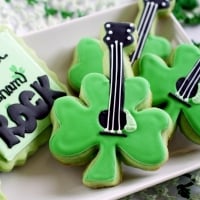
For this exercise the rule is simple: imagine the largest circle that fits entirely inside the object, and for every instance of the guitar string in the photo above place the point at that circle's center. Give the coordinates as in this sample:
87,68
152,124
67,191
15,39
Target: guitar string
120,86
143,17
186,79
147,6
115,85
194,80
144,27
111,86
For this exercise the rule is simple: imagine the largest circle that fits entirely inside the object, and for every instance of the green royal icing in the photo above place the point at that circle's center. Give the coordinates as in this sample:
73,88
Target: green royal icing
88,58
163,81
76,138
157,45
18,71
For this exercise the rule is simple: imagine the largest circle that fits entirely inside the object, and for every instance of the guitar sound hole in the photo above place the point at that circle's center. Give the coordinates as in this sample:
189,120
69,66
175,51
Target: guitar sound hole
103,119
182,84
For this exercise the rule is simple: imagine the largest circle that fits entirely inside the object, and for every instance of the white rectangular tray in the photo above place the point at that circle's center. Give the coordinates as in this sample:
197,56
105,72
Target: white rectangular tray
42,177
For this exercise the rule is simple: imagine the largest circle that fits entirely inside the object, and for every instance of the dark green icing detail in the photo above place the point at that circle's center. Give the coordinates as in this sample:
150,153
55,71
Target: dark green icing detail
50,11
65,14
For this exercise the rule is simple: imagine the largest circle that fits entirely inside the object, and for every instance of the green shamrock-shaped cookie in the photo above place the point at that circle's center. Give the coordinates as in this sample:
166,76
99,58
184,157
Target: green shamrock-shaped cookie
77,137
176,88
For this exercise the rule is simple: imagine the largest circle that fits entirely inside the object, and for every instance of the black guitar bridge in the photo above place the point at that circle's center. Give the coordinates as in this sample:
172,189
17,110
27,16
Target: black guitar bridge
107,133
177,98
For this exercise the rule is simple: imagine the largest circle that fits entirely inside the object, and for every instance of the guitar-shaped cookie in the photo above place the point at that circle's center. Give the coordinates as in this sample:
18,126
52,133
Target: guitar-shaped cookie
111,122
179,92
89,55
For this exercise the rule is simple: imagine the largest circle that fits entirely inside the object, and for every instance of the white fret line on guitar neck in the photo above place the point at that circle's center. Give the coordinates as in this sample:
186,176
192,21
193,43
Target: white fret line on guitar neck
144,26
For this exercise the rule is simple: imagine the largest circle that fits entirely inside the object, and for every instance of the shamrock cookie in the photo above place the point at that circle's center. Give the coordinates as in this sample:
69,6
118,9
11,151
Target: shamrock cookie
176,88
112,122
28,90
88,56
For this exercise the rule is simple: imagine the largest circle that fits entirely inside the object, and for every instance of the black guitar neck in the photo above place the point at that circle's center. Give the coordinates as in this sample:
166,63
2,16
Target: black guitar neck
114,119
148,14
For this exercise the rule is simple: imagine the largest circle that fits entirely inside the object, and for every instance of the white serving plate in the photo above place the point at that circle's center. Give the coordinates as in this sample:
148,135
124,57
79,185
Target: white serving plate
42,177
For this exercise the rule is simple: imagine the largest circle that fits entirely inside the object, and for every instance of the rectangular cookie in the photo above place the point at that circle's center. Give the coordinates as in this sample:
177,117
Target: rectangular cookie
27,92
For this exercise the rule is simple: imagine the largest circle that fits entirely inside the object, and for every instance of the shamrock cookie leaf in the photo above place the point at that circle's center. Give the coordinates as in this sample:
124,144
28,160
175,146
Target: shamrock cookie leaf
88,58
162,47
178,93
77,137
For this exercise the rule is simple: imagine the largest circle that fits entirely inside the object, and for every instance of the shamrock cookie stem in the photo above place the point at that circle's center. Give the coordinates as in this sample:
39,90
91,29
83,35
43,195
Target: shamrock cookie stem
104,168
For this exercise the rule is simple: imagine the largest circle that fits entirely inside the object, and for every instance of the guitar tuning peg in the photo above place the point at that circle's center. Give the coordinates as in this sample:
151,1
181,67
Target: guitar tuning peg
164,4
132,27
107,25
108,38
129,38
110,32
